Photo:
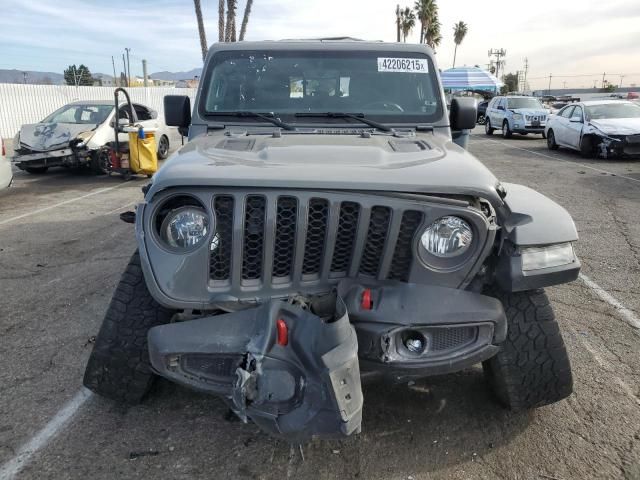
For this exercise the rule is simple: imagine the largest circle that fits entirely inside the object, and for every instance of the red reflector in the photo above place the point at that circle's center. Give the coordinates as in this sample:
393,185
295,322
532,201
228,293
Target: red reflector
366,303
283,332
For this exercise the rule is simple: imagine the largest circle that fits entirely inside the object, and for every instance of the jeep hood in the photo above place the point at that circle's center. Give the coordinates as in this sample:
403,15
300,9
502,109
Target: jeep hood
426,164
617,126
43,137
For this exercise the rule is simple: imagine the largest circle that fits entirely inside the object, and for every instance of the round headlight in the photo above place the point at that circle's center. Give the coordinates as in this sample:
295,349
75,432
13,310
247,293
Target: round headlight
447,237
185,227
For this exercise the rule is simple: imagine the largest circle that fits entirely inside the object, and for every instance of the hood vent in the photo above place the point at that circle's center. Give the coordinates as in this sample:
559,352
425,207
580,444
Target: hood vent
237,144
409,146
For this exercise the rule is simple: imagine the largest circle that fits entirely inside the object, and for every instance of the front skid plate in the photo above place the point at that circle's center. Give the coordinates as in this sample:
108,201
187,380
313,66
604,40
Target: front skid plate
308,387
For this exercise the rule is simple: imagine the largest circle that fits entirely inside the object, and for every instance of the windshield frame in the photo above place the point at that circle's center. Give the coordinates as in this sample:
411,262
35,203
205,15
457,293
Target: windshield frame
437,118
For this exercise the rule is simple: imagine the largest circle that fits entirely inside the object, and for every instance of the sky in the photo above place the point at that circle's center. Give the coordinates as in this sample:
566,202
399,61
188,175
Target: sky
575,41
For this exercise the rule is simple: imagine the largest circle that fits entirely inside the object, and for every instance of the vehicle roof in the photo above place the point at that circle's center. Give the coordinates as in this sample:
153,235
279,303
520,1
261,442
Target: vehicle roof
91,102
334,43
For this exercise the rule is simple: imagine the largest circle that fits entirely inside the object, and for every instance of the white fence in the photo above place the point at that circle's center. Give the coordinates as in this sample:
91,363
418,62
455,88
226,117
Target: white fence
20,104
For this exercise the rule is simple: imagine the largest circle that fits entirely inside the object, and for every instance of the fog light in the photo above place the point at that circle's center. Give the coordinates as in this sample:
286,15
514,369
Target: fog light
414,341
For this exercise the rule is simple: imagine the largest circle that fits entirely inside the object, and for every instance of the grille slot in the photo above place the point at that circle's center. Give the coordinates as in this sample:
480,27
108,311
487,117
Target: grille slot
376,239
286,218
222,242
253,245
345,238
453,337
316,233
403,253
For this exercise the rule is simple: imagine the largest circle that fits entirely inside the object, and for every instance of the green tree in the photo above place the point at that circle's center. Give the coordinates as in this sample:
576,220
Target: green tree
510,83
427,13
77,75
460,30
407,22
433,37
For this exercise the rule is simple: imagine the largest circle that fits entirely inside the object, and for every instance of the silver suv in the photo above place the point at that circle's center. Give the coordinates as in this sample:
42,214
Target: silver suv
515,114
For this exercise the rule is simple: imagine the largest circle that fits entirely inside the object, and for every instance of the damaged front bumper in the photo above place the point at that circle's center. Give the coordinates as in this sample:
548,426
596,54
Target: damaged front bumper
296,374
64,157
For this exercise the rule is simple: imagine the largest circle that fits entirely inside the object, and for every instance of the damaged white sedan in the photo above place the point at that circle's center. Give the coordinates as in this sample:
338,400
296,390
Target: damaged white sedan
603,128
73,135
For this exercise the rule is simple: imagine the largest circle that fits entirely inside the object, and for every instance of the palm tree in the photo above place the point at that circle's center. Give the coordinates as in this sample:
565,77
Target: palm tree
460,30
398,23
203,36
230,27
221,20
408,21
433,37
245,19
427,12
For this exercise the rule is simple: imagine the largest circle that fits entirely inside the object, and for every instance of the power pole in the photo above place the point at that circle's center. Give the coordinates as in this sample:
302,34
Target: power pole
526,69
621,77
564,84
24,77
144,73
501,53
113,63
549,90
124,65
128,68
603,79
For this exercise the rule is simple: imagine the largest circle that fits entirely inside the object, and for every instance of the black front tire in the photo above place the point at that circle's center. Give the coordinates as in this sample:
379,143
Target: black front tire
506,131
119,366
163,147
36,170
532,368
551,141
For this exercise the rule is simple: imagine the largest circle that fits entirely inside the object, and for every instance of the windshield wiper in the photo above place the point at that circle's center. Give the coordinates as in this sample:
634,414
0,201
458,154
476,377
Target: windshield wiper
356,116
268,116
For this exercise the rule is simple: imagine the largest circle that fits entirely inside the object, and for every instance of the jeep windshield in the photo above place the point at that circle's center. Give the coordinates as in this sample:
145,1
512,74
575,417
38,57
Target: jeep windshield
329,87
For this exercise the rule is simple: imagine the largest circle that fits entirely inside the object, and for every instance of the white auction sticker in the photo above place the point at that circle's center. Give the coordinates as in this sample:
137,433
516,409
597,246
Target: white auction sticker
403,65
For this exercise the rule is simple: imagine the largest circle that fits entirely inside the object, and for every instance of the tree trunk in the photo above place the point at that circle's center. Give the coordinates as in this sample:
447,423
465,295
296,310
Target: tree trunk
421,33
455,51
398,23
245,19
221,20
229,27
203,37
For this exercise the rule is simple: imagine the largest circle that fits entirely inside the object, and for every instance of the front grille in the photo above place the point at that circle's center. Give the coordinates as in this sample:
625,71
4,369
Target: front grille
286,240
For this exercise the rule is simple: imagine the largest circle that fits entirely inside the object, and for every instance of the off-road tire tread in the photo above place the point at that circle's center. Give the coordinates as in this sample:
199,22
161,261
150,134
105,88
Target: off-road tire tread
119,367
532,368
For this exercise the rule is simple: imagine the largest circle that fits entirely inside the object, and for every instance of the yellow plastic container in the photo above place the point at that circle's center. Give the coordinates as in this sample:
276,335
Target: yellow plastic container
143,156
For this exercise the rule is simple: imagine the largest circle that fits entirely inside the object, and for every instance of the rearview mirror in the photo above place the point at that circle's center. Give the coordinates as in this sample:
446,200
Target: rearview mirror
177,112
463,113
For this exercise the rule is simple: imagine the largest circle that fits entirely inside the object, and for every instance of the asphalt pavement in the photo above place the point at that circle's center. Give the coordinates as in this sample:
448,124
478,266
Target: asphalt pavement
63,248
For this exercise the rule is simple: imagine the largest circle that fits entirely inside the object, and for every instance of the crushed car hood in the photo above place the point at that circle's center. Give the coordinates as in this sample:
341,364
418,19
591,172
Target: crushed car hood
421,164
42,137
617,126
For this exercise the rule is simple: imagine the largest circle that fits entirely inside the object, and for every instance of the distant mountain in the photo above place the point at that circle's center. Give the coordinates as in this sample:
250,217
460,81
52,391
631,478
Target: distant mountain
175,76
17,76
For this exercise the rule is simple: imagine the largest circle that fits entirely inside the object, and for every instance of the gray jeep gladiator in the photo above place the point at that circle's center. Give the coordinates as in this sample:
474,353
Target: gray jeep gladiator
322,228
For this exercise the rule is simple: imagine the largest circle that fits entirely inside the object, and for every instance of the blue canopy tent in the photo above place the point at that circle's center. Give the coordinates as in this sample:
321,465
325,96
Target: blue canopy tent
469,78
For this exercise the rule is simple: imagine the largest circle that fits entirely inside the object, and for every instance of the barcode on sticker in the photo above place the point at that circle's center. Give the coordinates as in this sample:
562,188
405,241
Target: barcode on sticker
404,65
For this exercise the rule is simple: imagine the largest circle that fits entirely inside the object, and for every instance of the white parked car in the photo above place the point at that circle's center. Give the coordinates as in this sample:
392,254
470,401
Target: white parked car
606,128
5,167
72,135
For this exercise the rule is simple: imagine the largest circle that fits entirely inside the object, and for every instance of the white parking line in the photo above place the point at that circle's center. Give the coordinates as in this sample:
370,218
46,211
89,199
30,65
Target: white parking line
10,469
66,202
554,158
626,314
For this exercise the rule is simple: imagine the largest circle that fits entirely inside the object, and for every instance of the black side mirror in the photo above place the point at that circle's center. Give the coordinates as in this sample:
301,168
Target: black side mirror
463,114
177,112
